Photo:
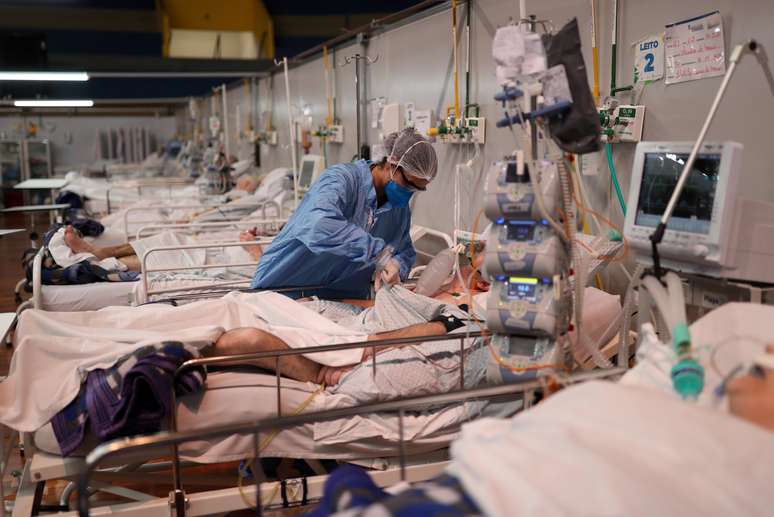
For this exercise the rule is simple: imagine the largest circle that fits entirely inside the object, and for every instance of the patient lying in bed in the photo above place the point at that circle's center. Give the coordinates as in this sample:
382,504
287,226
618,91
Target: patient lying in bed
67,247
599,448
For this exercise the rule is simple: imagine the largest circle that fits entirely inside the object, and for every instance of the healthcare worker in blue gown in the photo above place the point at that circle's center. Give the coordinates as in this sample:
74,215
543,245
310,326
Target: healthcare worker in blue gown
354,217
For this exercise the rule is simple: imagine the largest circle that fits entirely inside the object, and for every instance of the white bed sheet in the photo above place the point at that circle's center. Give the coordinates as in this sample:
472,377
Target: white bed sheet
233,397
87,297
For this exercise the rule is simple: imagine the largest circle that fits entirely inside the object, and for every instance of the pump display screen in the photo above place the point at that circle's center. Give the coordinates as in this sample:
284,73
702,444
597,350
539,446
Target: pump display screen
521,232
307,170
511,173
522,289
693,212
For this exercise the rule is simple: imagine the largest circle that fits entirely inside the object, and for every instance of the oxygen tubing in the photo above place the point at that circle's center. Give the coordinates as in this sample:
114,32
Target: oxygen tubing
611,166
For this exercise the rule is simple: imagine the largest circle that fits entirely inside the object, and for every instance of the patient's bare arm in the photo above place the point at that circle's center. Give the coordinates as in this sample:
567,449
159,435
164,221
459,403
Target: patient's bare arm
248,340
332,374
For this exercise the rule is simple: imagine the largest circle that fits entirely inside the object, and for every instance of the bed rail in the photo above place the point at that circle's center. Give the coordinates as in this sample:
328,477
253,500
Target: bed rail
146,293
201,206
150,229
147,444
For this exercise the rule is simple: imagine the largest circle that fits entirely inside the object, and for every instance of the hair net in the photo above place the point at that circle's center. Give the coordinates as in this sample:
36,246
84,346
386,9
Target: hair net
413,153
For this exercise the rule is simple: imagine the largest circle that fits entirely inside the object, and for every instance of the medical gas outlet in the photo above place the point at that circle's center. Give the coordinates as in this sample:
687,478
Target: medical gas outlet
333,133
267,137
621,123
470,130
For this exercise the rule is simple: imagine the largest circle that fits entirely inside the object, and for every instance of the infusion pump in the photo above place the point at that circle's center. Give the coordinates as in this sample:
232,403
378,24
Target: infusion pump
712,231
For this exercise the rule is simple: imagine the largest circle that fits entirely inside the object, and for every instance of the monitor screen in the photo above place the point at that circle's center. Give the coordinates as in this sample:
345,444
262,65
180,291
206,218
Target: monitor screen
693,212
307,170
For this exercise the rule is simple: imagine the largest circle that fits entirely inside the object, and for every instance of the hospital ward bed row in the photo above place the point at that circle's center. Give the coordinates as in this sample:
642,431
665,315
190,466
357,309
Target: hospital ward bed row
73,363
207,223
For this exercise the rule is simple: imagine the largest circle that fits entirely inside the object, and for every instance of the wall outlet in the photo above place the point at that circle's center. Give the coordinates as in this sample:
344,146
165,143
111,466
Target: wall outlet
477,130
623,124
267,137
473,132
336,134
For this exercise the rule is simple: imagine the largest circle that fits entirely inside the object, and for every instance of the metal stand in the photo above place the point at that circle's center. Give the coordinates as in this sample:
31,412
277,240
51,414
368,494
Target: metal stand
360,117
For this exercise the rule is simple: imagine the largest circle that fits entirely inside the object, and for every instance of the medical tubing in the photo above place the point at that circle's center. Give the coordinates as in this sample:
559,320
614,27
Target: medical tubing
614,176
675,289
580,265
627,311
661,298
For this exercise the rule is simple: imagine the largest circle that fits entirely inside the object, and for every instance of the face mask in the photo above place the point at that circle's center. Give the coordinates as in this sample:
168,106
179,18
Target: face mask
397,195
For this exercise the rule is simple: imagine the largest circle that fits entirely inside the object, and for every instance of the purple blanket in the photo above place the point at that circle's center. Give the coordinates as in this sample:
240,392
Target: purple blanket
128,399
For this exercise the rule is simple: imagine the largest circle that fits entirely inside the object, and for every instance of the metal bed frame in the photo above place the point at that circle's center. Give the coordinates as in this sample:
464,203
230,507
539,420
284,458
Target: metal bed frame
146,293
44,466
181,504
148,182
150,229
417,233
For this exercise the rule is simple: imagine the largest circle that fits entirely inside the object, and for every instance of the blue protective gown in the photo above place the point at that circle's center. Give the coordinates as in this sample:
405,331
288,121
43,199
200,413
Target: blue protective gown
335,236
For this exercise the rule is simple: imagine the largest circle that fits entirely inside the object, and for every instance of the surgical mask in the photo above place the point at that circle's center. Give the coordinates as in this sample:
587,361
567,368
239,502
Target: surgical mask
397,195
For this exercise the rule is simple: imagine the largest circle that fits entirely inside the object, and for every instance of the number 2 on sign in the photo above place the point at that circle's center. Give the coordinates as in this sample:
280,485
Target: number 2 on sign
649,58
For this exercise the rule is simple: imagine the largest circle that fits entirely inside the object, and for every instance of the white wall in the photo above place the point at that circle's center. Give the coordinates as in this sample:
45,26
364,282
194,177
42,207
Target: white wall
74,138
415,63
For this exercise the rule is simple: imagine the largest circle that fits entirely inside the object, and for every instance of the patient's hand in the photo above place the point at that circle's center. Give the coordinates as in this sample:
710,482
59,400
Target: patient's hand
330,375
751,396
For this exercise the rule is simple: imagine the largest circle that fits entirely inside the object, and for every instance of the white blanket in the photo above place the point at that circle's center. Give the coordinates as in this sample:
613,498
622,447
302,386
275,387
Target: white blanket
606,449
632,448
55,350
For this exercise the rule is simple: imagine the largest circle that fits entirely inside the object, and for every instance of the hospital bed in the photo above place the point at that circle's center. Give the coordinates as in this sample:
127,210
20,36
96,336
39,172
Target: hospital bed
94,296
419,459
44,465
731,335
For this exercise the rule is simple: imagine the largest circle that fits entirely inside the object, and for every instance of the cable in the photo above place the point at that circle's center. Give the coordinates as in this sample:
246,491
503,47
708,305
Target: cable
265,443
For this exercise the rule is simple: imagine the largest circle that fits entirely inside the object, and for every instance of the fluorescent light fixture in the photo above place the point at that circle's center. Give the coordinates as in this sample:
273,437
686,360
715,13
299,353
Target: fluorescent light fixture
44,76
43,103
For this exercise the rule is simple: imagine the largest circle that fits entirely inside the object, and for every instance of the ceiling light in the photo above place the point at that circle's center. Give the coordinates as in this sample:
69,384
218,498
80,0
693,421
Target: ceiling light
44,76
44,103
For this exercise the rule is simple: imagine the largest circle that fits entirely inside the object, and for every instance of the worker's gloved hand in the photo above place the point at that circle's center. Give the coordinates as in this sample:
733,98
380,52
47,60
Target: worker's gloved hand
390,275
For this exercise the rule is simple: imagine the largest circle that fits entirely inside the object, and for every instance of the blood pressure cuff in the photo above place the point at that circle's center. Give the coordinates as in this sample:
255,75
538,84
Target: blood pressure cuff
577,130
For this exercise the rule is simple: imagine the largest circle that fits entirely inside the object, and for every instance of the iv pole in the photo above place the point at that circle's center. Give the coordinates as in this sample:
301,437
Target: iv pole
658,235
358,100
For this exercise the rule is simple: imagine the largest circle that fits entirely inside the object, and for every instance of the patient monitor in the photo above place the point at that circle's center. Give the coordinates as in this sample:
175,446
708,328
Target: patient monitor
712,231
311,167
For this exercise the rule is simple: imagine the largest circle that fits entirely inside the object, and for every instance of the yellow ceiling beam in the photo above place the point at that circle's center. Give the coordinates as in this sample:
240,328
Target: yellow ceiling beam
223,15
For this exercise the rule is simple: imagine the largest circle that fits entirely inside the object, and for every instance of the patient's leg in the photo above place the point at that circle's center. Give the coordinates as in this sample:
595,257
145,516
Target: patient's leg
132,262
248,340
79,245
